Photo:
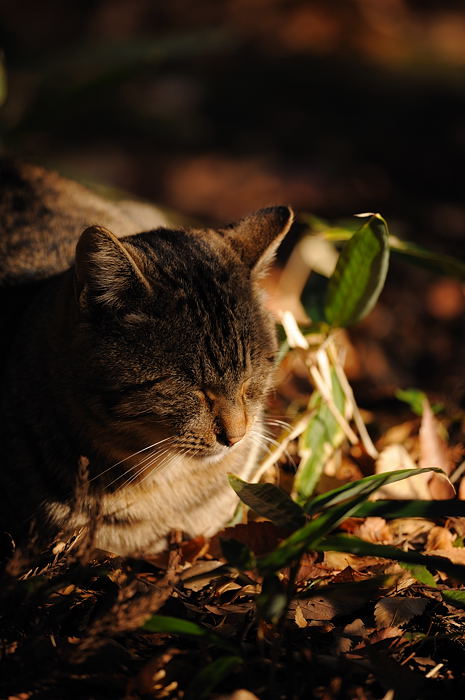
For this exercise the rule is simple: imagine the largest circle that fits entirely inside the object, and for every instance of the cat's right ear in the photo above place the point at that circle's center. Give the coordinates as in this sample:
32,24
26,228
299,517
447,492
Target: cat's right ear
256,238
107,271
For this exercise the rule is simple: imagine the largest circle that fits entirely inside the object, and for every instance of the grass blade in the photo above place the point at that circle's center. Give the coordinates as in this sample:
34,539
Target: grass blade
412,509
354,545
361,486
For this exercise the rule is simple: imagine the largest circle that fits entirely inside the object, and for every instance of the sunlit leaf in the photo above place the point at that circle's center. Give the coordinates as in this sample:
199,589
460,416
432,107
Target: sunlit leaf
420,573
455,598
438,262
322,436
269,501
358,279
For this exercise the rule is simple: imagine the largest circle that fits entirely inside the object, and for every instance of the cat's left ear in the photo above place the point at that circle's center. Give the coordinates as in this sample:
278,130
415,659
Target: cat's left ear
256,238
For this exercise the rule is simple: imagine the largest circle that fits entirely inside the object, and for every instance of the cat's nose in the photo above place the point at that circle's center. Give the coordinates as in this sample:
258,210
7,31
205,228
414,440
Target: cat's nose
229,440
231,421
233,439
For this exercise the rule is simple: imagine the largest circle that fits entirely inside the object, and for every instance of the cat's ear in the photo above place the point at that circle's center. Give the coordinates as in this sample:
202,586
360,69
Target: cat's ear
106,270
257,237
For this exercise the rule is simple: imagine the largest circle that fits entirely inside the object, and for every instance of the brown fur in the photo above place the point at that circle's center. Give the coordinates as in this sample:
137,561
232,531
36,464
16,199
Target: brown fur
159,337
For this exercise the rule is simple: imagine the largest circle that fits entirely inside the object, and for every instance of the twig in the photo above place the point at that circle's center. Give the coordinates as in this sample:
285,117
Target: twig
324,391
364,436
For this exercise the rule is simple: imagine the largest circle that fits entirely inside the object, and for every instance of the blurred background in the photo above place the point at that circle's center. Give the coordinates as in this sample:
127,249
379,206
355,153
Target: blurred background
214,109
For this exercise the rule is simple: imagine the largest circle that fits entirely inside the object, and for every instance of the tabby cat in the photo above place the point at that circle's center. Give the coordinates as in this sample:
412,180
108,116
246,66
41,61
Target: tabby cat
135,366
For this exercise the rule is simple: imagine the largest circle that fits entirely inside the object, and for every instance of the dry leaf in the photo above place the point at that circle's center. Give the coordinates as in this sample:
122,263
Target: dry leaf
375,530
356,628
340,560
328,606
385,633
396,457
261,536
394,612
309,569
238,695
457,524
440,487
299,618
230,608
398,434
204,569
433,449
454,554
410,529
439,538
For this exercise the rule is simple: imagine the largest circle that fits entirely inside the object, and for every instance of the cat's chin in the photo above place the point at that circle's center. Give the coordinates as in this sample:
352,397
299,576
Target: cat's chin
216,456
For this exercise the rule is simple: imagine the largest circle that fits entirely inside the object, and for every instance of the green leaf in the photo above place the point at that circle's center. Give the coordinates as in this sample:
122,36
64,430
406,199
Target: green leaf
237,554
354,545
174,625
307,537
272,601
438,262
415,399
313,296
366,485
322,436
269,501
420,573
455,598
358,279
209,677
412,509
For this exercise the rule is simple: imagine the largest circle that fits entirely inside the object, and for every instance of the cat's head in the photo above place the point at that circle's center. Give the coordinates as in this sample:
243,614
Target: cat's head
173,341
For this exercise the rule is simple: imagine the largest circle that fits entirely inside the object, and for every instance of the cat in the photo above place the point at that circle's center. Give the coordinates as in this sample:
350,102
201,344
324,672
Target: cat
137,366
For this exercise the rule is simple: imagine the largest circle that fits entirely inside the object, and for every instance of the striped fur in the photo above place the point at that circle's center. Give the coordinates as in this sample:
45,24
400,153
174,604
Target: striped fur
147,360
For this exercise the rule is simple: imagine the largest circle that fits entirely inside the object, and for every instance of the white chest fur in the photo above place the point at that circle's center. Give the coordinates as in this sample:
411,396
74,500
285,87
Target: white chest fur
190,495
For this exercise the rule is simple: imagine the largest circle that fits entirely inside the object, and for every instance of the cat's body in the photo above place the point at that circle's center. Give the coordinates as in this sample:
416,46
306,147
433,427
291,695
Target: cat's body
134,380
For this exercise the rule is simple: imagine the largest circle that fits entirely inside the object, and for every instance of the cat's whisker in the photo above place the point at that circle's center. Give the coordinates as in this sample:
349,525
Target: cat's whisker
168,461
275,443
133,470
168,457
277,423
134,454
257,440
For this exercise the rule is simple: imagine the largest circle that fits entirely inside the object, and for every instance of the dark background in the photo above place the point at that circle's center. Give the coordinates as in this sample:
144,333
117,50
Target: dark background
216,108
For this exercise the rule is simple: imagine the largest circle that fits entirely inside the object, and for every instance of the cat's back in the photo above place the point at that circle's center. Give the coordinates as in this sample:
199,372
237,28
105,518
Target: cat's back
42,215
